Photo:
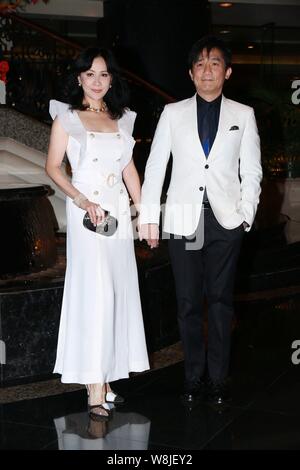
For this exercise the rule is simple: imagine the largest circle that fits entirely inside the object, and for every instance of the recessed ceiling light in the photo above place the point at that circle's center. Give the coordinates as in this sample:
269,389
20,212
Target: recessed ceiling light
225,31
225,4
250,47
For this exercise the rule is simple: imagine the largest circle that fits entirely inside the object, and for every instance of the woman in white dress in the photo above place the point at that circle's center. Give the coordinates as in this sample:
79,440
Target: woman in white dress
101,333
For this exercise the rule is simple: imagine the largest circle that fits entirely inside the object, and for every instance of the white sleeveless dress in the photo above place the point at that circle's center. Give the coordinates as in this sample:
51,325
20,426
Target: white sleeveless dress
101,334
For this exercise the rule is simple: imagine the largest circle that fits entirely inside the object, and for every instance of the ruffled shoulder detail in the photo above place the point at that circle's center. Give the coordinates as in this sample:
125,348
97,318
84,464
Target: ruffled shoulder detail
126,124
127,121
62,112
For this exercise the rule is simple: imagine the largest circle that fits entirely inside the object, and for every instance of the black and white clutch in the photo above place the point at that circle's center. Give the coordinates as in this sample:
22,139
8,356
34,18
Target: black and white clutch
106,227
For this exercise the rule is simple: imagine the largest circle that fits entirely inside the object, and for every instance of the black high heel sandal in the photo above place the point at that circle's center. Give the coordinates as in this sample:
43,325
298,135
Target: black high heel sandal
97,416
116,399
112,397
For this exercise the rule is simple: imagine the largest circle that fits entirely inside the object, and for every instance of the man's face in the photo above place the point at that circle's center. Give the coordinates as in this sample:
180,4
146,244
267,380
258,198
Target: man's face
208,73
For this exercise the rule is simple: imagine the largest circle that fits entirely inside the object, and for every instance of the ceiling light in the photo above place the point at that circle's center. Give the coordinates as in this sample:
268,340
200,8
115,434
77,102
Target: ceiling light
225,4
225,31
250,47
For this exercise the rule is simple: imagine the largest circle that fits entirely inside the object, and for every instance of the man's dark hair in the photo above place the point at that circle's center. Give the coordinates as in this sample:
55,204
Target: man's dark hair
209,43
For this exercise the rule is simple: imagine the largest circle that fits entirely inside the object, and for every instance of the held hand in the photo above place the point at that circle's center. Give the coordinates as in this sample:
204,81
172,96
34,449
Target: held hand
143,230
94,210
150,233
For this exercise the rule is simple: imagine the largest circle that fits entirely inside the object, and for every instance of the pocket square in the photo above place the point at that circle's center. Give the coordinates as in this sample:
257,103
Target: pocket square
234,128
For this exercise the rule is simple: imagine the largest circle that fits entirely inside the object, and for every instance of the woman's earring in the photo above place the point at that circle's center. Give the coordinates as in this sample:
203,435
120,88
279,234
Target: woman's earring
110,86
79,83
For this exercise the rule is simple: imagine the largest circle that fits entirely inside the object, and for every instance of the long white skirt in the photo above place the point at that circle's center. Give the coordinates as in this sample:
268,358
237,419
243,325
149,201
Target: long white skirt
101,333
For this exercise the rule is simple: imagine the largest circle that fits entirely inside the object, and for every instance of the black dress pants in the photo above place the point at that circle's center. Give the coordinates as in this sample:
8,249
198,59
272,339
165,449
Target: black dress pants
208,271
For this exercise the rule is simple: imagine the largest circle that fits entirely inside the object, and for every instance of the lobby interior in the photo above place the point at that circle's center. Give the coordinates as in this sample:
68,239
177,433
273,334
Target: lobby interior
37,412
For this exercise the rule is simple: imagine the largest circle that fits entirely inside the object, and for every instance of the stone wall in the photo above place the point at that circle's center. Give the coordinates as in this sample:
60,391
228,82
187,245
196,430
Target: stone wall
24,129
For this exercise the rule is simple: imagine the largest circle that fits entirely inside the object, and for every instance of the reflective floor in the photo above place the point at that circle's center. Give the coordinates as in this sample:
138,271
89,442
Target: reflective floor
264,412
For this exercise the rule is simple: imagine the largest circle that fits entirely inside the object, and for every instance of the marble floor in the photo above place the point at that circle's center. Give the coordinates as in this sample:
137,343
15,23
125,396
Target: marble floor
264,412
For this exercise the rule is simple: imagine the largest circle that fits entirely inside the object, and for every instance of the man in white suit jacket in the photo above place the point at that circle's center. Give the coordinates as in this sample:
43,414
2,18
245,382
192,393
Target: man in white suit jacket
215,179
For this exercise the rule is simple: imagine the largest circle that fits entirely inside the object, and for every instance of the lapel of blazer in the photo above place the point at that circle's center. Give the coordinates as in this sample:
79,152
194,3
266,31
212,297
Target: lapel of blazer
224,122
191,120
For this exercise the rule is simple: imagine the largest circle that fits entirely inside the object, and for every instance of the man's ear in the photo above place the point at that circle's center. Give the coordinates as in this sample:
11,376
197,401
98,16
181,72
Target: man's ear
191,75
228,73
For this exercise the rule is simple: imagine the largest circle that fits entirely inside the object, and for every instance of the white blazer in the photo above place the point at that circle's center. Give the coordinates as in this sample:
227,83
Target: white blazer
231,174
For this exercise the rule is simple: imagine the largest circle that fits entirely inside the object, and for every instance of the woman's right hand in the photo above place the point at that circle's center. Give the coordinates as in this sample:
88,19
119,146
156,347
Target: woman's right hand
94,210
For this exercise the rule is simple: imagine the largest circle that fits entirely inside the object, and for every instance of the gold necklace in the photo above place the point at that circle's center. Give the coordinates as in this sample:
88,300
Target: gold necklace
102,108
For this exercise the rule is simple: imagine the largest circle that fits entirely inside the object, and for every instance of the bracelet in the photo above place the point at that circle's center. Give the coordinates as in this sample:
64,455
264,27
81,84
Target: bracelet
79,199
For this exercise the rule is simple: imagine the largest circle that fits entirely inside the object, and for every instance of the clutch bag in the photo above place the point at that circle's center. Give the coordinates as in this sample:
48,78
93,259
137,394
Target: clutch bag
106,227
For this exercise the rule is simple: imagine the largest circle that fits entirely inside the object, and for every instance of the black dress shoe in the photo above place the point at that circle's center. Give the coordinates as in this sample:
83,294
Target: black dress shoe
190,398
218,393
194,392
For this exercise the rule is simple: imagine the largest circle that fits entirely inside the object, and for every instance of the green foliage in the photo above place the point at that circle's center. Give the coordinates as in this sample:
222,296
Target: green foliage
279,127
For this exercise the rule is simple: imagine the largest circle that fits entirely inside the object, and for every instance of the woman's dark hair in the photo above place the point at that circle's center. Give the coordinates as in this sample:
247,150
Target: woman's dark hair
117,97
209,43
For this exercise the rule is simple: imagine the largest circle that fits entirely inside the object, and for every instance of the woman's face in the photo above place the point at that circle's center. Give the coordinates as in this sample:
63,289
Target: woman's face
95,81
